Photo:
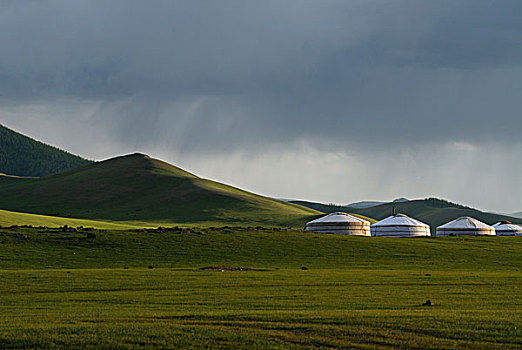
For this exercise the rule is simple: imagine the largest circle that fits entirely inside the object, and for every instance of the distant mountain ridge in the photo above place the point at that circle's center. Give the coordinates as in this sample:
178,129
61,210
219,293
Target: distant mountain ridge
517,214
22,156
364,204
368,204
432,211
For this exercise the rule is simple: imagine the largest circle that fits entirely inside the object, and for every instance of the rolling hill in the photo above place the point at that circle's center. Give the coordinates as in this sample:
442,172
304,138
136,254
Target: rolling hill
22,156
432,211
517,214
364,204
137,188
368,204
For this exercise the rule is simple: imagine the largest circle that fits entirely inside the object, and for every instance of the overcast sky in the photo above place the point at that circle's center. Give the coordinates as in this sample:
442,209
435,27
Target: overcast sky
331,101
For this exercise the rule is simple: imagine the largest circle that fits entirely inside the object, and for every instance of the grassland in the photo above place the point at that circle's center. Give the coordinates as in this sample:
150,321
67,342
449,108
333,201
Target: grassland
9,218
65,290
344,308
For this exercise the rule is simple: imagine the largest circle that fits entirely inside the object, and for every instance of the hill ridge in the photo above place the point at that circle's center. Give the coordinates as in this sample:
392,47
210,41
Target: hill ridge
136,187
21,155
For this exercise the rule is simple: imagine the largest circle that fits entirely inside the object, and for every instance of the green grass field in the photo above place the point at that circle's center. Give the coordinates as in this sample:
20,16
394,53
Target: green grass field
9,218
64,290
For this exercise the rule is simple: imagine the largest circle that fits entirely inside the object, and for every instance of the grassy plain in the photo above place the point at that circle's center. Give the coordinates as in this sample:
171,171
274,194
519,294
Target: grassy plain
64,290
9,218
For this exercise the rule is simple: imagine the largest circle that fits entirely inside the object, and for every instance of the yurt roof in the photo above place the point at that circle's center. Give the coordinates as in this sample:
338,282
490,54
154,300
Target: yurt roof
465,222
338,217
399,220
507,227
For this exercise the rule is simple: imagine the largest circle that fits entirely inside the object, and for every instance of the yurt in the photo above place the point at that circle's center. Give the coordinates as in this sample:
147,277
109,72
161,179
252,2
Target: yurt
340,223
465,226
506,228
400,225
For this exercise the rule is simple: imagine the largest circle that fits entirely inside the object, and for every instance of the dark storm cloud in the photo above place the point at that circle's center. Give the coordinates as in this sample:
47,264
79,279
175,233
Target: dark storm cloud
402,98
443,34
222,74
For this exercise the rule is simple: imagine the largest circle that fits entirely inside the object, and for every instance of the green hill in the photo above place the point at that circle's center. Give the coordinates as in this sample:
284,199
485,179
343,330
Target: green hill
141,189
23,156
432,211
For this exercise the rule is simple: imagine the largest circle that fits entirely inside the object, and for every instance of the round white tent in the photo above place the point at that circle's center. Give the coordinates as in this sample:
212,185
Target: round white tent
465,226
340,223
400,225
506,228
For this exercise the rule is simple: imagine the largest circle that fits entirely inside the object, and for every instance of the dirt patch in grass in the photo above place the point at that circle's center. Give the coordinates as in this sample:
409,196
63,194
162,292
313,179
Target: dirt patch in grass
227,268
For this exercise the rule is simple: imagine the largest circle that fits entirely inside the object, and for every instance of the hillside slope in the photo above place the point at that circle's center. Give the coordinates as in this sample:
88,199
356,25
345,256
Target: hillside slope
22,156
432,211
139,188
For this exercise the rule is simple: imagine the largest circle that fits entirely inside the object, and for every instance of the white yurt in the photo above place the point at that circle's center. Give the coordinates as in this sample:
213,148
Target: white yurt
400,225
341,223
506,228
465,226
